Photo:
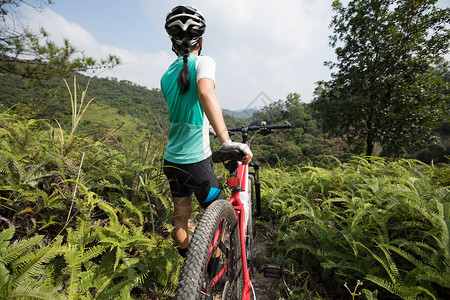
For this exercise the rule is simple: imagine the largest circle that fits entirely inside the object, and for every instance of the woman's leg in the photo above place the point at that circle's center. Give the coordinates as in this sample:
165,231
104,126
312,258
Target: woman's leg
182,213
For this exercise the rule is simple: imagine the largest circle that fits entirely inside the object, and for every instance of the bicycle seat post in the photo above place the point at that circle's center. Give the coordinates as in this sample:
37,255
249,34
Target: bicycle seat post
231,166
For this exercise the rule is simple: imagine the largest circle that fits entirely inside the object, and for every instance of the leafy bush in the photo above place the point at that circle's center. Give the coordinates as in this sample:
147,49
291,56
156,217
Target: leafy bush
100,262
90,219
384,223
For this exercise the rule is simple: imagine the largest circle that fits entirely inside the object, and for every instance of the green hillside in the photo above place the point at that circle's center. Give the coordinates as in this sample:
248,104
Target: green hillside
139,112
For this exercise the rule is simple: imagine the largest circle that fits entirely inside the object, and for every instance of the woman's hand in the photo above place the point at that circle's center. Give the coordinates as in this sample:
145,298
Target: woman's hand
243,148
247,159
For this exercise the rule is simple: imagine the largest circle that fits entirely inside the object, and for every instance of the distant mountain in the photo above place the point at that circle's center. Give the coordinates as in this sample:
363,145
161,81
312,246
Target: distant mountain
245,114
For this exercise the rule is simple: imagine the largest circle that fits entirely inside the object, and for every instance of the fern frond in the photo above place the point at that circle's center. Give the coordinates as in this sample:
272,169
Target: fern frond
416,262
4,278
31,264
132,209
370,295
87,255
19,169
31,290
351,242
12,253
5,159
384,263
74,271
402,291
110,212
35,172
121,290
5,236
395,277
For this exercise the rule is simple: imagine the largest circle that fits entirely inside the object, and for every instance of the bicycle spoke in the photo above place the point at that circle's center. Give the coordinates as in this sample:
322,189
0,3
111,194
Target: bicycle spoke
213,268
219,271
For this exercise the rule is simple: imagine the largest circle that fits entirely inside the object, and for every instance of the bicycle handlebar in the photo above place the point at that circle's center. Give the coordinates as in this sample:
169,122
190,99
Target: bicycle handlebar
235,155
246,128
263,129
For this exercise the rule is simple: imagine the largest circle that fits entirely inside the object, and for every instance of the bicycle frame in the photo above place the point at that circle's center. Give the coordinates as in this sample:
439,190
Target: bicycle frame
235,201
242,174
236,187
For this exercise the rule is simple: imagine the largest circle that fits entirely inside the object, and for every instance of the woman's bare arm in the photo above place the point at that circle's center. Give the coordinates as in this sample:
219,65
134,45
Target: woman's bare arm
213,110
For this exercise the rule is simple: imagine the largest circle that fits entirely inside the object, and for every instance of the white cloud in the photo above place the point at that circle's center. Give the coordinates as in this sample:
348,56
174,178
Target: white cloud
275,47
58,27
138,66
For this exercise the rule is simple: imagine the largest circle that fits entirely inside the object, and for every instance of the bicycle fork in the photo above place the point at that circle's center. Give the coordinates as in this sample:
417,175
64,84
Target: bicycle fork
241,184
257,183
240,213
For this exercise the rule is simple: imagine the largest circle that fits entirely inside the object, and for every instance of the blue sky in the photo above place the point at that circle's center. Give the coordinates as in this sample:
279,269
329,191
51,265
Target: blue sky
261,47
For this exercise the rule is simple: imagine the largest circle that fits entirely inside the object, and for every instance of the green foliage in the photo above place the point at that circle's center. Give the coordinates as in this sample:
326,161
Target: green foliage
100,262
112,260
99,197
304,143
388,87
385,223
121,111
22,268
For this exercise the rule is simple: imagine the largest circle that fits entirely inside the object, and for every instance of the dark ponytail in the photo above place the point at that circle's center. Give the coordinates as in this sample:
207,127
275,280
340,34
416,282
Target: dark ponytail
183,76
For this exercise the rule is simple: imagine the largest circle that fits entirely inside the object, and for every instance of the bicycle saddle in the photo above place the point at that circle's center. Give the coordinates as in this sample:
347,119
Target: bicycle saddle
225,155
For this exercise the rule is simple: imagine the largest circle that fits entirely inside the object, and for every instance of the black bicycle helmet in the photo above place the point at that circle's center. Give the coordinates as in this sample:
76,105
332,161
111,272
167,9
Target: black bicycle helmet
185,19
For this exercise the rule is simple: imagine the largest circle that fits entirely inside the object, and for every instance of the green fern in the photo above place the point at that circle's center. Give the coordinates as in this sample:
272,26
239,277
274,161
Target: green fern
23,272
103,262
370,295
29,290
400,290
369,217
427,268
107,252
10,253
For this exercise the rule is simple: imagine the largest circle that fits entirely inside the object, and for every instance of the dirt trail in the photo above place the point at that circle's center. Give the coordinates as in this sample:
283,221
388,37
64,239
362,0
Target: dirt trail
265,288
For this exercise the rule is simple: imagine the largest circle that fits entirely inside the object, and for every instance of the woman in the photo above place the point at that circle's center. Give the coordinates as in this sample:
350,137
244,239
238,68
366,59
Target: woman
188,87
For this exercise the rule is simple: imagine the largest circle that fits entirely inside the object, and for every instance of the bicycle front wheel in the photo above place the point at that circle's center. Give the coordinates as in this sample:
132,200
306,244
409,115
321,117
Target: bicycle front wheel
213,266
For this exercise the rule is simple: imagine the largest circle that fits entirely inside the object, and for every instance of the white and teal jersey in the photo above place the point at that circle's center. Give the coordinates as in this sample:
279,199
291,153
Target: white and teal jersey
189,126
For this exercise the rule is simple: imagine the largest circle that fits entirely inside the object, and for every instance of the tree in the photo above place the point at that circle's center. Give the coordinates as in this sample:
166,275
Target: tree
387,89
34,55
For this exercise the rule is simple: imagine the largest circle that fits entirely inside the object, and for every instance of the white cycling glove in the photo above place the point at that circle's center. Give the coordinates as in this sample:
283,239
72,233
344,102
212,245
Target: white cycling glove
230,145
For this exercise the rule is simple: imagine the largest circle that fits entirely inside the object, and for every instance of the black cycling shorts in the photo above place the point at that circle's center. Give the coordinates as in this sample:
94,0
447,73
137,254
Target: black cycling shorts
197,178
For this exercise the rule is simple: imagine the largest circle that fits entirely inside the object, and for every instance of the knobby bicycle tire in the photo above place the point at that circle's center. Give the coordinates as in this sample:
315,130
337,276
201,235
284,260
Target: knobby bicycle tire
217,223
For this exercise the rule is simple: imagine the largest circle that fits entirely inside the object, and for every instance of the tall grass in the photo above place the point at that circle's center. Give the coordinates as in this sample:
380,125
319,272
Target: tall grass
78,111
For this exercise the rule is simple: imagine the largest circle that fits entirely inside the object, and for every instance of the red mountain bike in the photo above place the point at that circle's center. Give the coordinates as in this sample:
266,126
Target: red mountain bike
221,255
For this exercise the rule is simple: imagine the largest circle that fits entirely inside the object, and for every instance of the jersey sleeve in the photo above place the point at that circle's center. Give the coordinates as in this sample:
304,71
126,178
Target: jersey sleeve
206,68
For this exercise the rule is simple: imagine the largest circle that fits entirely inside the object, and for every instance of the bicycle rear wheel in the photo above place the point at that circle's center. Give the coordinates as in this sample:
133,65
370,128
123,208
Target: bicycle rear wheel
213,266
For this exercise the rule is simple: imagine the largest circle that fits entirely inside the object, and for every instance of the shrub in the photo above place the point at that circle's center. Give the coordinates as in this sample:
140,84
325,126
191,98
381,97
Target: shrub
381,222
